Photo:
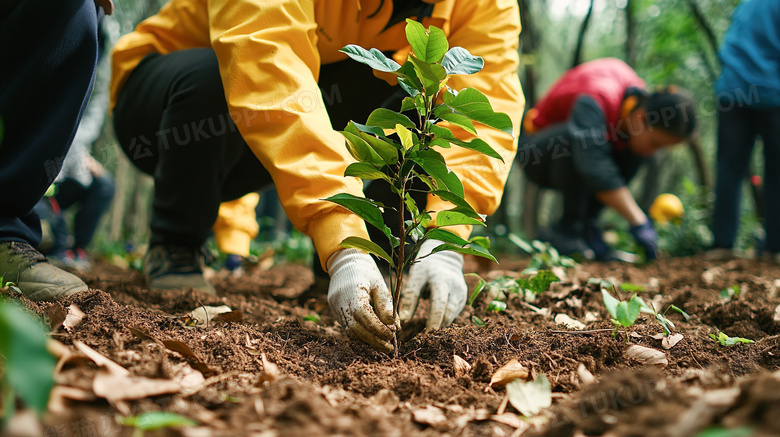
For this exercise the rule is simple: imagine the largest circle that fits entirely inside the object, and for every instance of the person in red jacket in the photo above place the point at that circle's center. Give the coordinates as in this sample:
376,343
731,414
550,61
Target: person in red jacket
588,137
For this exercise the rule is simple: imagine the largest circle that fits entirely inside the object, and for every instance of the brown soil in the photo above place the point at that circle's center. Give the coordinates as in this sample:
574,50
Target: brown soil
328,384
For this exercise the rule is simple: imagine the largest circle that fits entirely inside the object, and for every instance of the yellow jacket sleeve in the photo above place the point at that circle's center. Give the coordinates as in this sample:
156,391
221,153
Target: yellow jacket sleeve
236,225
269,64
489,29
178,25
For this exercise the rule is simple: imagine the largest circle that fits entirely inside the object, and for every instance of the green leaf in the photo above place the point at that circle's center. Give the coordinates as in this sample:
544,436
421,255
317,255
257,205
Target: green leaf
407,79
628,312
387,119
28,365
155,420
383,146
366,209
359,149
496,306
405,135
459,202
632,288
415,103
378,131
367,246
411,205
373,58
446,236
459,120
428,46
478,289
610,302
541,282
477,321
530,398
469,250
685,315
430,75
312,318
522,244
665,323
459,61
476,144
433,164
719,431
452,217
475,105
364,170
725,340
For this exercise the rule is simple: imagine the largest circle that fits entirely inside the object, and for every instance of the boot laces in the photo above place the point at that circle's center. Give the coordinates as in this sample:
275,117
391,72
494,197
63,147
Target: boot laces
27,252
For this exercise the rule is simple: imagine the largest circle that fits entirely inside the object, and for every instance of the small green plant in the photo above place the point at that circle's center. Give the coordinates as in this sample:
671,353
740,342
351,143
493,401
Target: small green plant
26,366
543,255
530,286
153,421
312,318
393,148
625,313
725,340
731,293
692,233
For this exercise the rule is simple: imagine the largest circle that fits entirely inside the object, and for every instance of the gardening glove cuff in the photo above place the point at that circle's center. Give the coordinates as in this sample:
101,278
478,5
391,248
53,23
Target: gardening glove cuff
442,273
359,298
645,235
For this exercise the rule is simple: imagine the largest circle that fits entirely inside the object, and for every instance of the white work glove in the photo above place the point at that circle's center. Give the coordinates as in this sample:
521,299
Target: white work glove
442,272
357,294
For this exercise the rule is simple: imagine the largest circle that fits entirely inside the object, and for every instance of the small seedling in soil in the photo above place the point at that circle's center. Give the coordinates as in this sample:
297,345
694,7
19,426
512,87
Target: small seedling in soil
392,147
528,287
725,340
153,421
625,313
543,255
731,293
312,318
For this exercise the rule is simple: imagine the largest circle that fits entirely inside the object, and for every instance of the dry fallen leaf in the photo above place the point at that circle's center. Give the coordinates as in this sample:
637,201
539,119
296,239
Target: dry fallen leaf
100,359
530,398
229,317
61,395
508,373
510,419
563,319
386,399
56,315
709,275
191,357
114,387
73,318
430,415
671,340
586,377
203,315
462,367
777,314
646,355
270,371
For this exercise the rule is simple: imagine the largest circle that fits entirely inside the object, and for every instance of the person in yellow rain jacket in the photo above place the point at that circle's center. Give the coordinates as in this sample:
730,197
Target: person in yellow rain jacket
219,98
235,228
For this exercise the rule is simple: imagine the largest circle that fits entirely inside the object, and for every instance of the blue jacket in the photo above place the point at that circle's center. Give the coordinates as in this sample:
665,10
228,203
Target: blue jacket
750,54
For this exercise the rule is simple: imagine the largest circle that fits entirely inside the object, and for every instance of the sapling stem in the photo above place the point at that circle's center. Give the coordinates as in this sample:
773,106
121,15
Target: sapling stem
399,263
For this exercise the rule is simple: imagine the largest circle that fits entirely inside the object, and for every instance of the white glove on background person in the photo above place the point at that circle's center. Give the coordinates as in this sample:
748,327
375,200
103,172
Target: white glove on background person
359,298
442,272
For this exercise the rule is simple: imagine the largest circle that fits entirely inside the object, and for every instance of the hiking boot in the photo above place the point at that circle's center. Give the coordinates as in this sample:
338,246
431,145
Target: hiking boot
176,267
37,278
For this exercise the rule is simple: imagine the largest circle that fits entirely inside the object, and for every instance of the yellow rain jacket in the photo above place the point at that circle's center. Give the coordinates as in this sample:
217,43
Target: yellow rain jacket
269,54
236,225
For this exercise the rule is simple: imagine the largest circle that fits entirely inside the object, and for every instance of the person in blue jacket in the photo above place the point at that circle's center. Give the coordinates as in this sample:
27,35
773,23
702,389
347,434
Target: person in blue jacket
748,105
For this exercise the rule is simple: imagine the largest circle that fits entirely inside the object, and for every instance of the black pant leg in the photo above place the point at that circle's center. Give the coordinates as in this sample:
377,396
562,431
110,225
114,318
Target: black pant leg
49,53
172,121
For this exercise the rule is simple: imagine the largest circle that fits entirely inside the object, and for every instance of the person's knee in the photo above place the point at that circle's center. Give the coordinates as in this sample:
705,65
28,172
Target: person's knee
103,187
199,81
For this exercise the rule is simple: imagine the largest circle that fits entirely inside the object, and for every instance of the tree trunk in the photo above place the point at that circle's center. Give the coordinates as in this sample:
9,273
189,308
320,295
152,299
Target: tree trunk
630,46
580,40
694,144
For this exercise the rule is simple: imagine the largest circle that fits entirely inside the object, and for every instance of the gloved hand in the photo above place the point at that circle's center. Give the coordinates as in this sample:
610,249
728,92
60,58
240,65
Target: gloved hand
442,272
357,294
647,238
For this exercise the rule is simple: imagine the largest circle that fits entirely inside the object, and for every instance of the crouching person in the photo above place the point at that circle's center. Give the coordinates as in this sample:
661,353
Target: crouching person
217,99
588,137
